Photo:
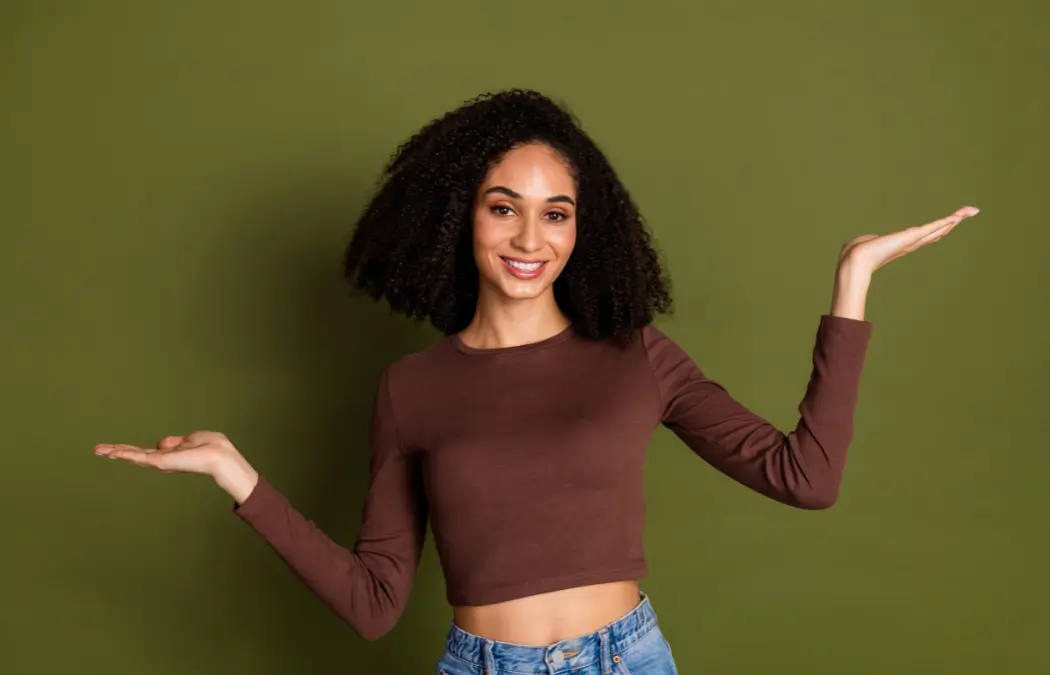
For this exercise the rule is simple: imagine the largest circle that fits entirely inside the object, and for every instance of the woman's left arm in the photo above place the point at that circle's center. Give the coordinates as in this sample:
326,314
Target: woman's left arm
803,467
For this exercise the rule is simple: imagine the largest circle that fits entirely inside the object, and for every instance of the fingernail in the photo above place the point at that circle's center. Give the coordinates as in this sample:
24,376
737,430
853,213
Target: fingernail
974,211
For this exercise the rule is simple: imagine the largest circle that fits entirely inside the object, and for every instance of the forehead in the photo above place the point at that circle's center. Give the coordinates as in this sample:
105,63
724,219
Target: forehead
532,167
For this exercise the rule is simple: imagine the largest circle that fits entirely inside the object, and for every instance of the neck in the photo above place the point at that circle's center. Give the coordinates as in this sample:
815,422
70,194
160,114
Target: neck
503,322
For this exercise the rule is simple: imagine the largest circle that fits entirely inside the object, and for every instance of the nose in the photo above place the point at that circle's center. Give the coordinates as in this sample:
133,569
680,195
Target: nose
529,237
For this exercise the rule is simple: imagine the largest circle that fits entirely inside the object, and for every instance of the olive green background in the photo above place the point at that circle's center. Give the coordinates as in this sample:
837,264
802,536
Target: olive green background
178,181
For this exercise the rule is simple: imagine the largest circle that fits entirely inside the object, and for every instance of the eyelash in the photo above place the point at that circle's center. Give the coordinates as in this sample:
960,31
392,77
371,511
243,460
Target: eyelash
496,209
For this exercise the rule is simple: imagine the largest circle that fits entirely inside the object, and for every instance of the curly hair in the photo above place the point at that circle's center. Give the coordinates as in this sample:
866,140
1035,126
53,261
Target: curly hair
412,244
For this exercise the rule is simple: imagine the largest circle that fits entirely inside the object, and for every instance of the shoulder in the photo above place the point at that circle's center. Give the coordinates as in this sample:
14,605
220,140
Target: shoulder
650,334
660,348
406,384
421,364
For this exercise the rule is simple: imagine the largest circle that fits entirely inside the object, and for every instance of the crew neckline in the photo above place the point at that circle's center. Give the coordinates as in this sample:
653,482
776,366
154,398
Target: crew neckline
557,338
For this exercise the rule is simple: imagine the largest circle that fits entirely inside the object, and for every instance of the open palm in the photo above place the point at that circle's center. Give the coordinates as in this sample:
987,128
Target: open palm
197,452
872,251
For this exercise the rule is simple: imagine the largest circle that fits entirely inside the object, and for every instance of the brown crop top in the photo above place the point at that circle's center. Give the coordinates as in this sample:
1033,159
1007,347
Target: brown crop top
505,450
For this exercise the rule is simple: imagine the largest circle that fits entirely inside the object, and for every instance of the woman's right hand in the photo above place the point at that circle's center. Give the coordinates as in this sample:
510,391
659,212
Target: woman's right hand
206,452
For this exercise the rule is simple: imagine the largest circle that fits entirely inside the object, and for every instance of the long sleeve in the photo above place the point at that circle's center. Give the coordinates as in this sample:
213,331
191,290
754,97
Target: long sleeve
368,586
802,468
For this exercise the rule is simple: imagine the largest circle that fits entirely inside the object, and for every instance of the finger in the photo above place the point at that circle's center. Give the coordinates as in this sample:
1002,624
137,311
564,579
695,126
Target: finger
930,238
129,453
936,235
902,239
950,221
905,241
109,448
125,451
104,449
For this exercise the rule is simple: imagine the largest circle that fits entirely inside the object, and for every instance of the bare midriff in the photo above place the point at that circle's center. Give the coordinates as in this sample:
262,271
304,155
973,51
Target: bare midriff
547,618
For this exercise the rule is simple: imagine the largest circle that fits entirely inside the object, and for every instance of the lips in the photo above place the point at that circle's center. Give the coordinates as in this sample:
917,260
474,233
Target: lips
523,269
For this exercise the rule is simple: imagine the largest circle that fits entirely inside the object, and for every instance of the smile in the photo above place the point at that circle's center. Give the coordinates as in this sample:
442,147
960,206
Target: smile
524,269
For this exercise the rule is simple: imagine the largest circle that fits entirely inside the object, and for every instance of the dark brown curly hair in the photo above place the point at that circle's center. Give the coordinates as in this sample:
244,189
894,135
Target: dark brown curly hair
412,245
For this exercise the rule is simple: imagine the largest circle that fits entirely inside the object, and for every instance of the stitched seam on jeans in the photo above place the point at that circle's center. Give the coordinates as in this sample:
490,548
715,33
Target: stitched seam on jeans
635,640
460,659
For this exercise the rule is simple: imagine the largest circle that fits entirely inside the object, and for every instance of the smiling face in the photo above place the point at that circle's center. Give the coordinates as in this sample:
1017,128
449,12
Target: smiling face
524,223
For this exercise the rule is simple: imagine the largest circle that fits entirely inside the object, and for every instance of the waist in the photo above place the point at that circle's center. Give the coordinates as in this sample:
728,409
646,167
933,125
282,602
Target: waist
598,646
546,617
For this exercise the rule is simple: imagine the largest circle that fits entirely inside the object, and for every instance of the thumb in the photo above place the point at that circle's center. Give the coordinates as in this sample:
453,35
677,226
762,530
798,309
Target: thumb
169,442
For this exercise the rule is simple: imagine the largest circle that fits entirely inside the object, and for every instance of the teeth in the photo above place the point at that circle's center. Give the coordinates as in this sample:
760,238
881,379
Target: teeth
528,267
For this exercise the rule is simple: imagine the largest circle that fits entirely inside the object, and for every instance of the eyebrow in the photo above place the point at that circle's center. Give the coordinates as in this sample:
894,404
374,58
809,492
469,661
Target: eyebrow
514,195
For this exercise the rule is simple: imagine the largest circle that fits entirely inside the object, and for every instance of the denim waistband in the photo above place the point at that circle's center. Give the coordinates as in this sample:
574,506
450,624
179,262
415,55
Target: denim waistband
561,657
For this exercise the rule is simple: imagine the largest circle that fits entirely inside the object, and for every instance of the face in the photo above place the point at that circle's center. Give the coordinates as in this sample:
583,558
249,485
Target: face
524,223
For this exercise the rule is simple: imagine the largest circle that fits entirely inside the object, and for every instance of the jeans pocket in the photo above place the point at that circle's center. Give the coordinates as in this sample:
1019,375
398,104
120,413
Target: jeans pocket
450,665
650,655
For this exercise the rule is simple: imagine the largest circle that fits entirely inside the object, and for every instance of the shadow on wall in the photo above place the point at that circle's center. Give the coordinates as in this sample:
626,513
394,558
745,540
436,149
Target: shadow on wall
283,315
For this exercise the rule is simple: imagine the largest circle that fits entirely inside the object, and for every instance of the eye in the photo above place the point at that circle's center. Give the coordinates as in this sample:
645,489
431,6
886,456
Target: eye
557,216
501,210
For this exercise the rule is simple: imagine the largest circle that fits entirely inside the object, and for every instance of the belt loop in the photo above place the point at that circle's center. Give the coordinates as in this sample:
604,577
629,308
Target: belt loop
606,659
488,658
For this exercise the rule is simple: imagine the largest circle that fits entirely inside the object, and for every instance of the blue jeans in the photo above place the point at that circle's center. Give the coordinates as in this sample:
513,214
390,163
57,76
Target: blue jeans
631,645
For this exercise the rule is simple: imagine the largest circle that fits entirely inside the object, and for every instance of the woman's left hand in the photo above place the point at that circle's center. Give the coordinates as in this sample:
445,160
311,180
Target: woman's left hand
869,252
861,256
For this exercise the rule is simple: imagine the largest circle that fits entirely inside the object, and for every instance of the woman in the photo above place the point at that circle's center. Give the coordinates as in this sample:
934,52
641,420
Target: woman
521,435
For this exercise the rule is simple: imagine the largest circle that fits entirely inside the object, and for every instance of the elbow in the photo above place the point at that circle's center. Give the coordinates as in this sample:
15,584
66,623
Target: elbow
378,617
373,609
375,629
371,634
819,498
369,620
817,503
817,490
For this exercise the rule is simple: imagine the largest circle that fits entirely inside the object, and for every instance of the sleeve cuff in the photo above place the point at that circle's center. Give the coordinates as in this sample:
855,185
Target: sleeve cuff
844,339
261,502
846,321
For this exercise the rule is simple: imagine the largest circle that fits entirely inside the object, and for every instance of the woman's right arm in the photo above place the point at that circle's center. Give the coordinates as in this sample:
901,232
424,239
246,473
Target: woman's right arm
367,586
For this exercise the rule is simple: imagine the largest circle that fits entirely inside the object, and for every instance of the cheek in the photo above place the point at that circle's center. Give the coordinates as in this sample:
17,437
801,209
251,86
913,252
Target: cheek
563,240
486,234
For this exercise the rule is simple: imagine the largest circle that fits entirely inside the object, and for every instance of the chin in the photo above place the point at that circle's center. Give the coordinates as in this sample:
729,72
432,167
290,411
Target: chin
523,291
